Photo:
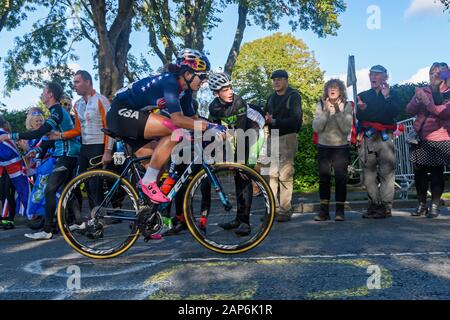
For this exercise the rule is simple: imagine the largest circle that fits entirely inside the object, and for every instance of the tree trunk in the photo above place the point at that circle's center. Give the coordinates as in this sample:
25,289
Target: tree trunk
169,46
201,9
113,44
238,36
189,25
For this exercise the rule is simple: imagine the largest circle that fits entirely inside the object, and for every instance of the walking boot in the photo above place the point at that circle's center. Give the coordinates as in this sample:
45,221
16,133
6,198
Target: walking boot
324,213
434,212
422,210
340,209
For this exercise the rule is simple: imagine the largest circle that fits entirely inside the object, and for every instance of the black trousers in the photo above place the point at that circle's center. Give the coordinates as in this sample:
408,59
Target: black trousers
435,181
60,176
338,159
7,192
244,196
94,187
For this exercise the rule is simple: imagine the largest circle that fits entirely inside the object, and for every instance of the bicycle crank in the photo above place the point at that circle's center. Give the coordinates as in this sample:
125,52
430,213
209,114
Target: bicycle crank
150,222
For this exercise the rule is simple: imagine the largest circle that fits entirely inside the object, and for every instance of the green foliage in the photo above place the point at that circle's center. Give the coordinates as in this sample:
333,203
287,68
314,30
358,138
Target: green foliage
137,68
306,172
258,59
319,16
44,53
405,93
15,118
175,24
13,12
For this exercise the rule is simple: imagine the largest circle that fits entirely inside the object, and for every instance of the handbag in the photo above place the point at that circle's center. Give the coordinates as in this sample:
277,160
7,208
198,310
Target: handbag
412,137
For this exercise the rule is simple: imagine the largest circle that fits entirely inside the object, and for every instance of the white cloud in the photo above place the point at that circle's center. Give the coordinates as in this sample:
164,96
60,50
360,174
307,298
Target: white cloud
424,7
363,81
74,67
422,75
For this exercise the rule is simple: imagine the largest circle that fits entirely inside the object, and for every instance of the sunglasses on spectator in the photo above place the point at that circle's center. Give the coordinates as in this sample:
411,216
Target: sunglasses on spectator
36,113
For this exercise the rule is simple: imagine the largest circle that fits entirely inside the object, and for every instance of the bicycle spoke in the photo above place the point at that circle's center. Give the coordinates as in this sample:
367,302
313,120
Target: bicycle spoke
95,229
237,187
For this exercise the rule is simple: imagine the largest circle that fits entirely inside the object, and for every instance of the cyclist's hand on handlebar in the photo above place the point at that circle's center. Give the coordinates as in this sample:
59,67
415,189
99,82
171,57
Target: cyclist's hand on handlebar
218,130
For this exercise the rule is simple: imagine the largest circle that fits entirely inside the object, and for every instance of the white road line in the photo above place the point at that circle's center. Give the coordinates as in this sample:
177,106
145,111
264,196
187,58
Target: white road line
37,268
337,256
144,291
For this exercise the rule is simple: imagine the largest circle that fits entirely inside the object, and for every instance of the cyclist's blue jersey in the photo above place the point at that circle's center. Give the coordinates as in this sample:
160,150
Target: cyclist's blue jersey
161,91
61,121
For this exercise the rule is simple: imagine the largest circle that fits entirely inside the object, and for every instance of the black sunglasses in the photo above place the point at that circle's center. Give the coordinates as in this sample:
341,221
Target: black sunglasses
202,76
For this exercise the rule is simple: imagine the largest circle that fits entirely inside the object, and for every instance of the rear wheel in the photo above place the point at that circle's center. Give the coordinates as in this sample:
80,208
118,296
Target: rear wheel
101,224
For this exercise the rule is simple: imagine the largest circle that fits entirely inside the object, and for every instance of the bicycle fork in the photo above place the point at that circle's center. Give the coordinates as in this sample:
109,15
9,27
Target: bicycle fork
218,188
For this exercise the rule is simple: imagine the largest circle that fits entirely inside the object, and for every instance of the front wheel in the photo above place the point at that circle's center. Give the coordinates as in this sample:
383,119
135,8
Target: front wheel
214,215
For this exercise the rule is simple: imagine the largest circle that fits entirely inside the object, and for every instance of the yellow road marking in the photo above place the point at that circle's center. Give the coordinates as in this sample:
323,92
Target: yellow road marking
248,289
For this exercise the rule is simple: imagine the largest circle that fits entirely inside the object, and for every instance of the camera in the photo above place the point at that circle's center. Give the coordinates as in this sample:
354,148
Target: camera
444,75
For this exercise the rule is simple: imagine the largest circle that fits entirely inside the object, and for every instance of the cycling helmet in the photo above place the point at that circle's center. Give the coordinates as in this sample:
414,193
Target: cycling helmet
219,80
194,60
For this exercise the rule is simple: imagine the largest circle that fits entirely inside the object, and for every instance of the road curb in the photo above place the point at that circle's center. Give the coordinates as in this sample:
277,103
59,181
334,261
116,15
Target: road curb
309,207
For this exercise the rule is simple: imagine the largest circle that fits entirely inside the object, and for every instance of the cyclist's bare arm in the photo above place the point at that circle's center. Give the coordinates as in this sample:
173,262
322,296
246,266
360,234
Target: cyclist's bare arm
181,121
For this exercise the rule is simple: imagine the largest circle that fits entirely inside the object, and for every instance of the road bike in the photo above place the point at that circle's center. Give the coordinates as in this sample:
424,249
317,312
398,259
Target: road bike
109,225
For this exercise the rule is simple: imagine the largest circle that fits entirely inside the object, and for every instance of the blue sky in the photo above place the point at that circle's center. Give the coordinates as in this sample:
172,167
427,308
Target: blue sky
412,35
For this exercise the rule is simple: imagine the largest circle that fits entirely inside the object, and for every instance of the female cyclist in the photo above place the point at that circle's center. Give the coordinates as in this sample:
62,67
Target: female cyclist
130,118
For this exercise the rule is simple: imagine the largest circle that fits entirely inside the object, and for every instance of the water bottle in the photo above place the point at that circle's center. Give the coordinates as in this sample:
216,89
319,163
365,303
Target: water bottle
119,155
369,133
167,223
170,181
119,146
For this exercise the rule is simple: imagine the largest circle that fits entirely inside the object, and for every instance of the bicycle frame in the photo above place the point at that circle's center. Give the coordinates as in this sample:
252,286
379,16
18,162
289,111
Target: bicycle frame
176,188
188,172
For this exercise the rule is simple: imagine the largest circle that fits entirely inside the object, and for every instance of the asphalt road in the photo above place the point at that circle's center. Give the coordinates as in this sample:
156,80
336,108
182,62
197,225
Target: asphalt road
402,257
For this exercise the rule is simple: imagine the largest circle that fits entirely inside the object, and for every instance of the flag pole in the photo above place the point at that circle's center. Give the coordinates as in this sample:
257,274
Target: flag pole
351,78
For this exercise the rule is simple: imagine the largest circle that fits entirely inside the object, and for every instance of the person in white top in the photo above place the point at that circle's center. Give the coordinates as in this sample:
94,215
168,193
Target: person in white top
90,117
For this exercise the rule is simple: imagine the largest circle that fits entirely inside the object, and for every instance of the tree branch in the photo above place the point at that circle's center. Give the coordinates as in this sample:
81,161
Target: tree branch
199,29
170,49
166,34
154,43
88,11
124,15
3,18
99,17
87,35
130,75
238,36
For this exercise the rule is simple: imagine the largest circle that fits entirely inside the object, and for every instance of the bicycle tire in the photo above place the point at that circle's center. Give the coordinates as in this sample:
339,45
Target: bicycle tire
202,238
64,228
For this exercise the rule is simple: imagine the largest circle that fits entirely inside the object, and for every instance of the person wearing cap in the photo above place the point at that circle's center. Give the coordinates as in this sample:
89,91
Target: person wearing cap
431,107
376,113
283,113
